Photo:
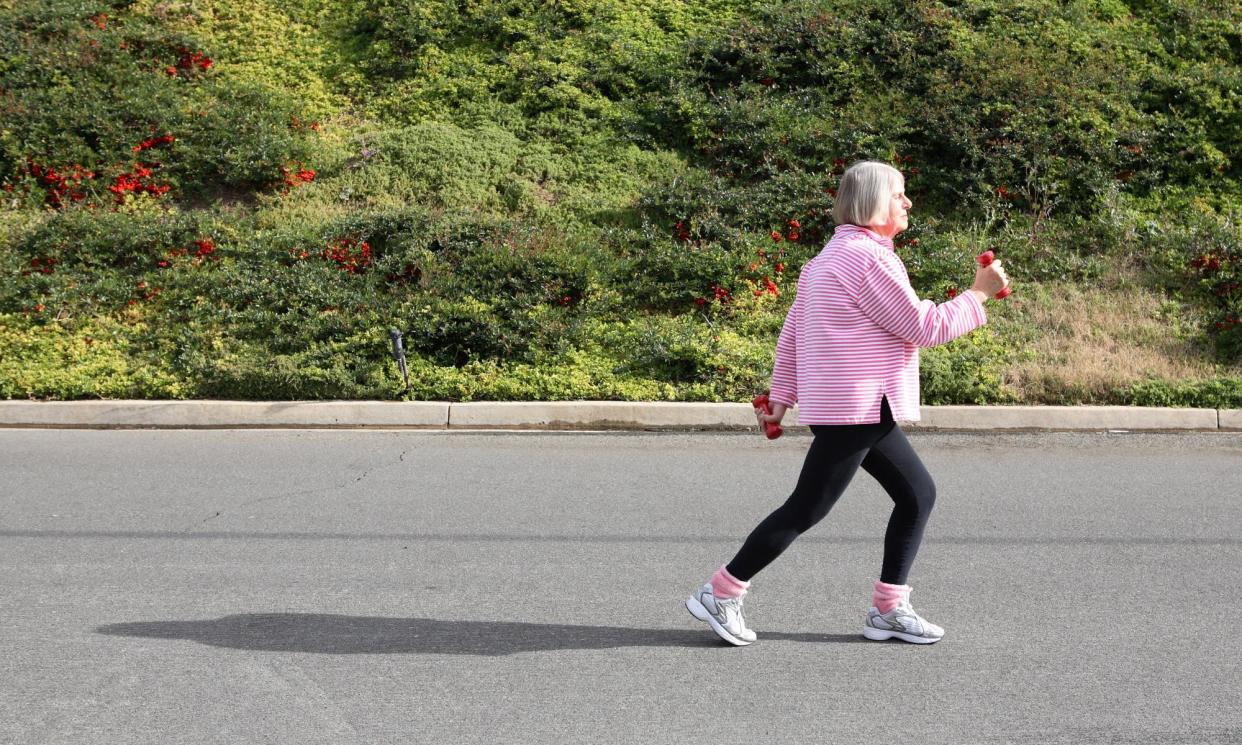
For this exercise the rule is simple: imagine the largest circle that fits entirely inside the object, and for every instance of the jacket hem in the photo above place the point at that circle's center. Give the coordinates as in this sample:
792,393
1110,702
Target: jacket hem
864,420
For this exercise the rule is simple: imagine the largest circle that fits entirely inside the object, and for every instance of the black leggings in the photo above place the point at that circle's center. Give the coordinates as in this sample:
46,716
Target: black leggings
835,455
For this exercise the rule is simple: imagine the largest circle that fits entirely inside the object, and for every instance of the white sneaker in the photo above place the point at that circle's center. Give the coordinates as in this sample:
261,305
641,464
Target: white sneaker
901,623
724,615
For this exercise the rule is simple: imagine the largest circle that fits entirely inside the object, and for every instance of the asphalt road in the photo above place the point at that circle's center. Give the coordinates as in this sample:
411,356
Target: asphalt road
384,587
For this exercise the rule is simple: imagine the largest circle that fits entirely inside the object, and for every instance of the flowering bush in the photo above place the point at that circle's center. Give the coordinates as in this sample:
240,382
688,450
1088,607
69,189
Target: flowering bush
1215,271
597,199
93,87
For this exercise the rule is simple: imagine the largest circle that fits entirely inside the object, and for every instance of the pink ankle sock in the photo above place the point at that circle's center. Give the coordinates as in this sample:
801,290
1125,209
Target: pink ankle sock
886,596
725,585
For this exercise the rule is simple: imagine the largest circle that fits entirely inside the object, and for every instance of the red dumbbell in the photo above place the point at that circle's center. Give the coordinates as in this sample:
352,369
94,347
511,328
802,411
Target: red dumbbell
771,429
985,259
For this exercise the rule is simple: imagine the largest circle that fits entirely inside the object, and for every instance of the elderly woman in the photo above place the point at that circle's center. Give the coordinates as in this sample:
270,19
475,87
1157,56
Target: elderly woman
848,355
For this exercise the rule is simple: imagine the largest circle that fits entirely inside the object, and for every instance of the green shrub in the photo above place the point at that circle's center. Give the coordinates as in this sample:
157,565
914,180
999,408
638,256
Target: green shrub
87,360
437,165
1046,105
1220,393
967,370
233,369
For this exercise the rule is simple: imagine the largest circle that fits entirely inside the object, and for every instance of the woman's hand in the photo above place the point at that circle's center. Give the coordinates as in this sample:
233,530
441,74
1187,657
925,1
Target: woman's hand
778,413
990,280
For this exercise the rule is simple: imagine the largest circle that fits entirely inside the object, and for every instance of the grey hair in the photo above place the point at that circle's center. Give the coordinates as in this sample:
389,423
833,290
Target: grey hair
862,197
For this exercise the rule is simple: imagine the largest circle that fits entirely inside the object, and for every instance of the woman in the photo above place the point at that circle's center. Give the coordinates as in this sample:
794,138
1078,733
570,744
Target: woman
848,355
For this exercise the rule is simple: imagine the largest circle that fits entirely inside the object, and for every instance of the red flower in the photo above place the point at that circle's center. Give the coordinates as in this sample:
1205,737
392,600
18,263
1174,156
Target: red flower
795,224
952,293
776,236
1206,261
137,183
349,255
189,60
681,232
152,142
171,71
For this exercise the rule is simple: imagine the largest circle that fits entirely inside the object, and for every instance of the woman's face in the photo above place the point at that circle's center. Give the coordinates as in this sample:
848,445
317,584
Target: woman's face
895,218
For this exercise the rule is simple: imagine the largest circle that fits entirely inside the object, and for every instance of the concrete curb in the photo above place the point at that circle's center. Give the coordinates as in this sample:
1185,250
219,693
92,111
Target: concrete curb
569,415
1230,419
222,414
1074,418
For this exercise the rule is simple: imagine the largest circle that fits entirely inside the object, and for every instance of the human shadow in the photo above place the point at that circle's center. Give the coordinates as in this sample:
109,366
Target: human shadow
336,634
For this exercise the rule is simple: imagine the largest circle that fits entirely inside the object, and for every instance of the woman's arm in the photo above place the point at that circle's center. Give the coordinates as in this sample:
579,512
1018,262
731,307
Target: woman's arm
887,298
784,390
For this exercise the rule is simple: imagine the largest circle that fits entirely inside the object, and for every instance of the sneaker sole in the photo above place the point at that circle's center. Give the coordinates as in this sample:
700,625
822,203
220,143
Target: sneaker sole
698,611
879,635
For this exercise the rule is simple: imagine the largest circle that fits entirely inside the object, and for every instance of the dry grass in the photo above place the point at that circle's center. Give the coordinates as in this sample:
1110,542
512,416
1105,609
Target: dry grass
1090,343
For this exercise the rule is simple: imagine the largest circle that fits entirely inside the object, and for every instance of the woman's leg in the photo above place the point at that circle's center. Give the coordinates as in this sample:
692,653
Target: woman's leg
893,462
833,459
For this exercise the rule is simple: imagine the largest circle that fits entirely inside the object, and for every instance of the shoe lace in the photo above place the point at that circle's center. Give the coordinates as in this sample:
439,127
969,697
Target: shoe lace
735,604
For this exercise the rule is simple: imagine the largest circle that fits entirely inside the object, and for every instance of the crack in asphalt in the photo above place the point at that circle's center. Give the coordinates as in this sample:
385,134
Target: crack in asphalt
304,492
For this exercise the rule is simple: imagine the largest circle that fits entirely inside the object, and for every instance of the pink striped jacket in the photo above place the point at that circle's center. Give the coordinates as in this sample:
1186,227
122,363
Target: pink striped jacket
854,332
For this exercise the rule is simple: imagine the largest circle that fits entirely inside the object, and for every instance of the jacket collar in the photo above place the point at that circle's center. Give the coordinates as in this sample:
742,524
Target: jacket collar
849,231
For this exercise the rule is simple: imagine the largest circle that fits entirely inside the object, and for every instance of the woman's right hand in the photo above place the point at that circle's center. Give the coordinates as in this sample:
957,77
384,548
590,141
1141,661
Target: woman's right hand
990,279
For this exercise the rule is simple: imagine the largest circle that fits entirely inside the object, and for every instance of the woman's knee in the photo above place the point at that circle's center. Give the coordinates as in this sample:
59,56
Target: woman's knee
915,498
800,515
925,496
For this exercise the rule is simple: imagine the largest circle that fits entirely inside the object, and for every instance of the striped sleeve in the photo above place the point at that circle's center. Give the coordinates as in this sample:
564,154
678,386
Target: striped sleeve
785,370
886,296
